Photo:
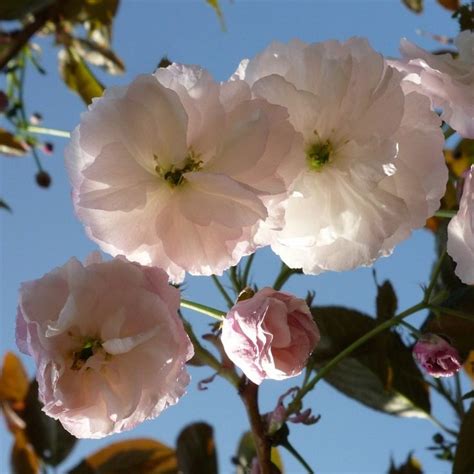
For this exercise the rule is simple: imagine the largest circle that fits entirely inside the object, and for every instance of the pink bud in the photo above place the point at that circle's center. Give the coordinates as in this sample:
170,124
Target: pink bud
270,335
437,356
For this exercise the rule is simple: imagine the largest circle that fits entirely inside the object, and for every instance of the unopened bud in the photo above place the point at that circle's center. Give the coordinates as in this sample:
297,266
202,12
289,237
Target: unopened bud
43,179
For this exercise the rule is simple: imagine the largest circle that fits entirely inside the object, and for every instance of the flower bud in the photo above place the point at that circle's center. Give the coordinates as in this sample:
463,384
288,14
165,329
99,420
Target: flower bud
270,335
437,356
43,179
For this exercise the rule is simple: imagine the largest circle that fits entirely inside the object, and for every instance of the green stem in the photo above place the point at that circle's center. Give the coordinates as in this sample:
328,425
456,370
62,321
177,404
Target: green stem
22,64
445,213
283,277
434,277
451,312
48,131
298,456
222,291
448,133
203,309
296,403
248,265
412,329
438,423
459,402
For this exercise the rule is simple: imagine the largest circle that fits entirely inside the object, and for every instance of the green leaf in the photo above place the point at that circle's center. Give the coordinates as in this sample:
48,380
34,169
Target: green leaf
51,442
196,449
410,466
10,145
17,9
136,456
414,5
99,56
380,374
464,457
246,452
78,76
386,302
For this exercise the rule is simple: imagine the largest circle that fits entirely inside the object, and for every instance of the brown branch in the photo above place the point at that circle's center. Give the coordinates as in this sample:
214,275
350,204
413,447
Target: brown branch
23,36
249,395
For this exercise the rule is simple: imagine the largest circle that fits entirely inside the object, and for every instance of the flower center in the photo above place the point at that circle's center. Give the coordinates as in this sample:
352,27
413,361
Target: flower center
174,175
88,349
318,154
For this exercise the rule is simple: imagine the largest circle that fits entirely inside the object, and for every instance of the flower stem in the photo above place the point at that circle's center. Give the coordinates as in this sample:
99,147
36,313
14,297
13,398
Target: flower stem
248,265
203,309
415,332
249,395
48,131
451,312
296,403
298,456
434,277
283,277
222,291
445,213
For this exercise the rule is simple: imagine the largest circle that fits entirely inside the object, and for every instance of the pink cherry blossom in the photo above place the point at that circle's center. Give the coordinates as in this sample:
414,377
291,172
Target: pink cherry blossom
270,336
448,81
178,171
437,356
369,155
109,346
461,233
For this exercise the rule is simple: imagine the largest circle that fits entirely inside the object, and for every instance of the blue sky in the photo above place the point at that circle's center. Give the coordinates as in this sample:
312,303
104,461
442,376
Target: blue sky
43,233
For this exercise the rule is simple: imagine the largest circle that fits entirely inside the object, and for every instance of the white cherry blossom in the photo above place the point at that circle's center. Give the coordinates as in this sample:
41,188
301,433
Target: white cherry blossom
369,154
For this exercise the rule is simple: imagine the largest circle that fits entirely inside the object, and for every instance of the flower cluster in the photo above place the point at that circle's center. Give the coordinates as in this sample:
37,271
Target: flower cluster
317,150
326,152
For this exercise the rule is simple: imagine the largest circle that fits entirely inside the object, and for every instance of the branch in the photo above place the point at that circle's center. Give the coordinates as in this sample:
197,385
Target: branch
23,36
249,395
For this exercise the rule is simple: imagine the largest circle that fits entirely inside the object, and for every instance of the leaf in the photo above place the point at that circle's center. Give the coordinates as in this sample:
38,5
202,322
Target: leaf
415,6
13,379
450,4
458,330
386,302
11,146
23,458
246,452
52,443
99,56
465,17
381,376
464,457
78,76
196,450
17,9
410,466
136,456
468,395
90,11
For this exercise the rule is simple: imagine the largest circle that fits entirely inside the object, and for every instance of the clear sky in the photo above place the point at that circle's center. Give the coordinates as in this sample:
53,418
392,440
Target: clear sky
43,233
